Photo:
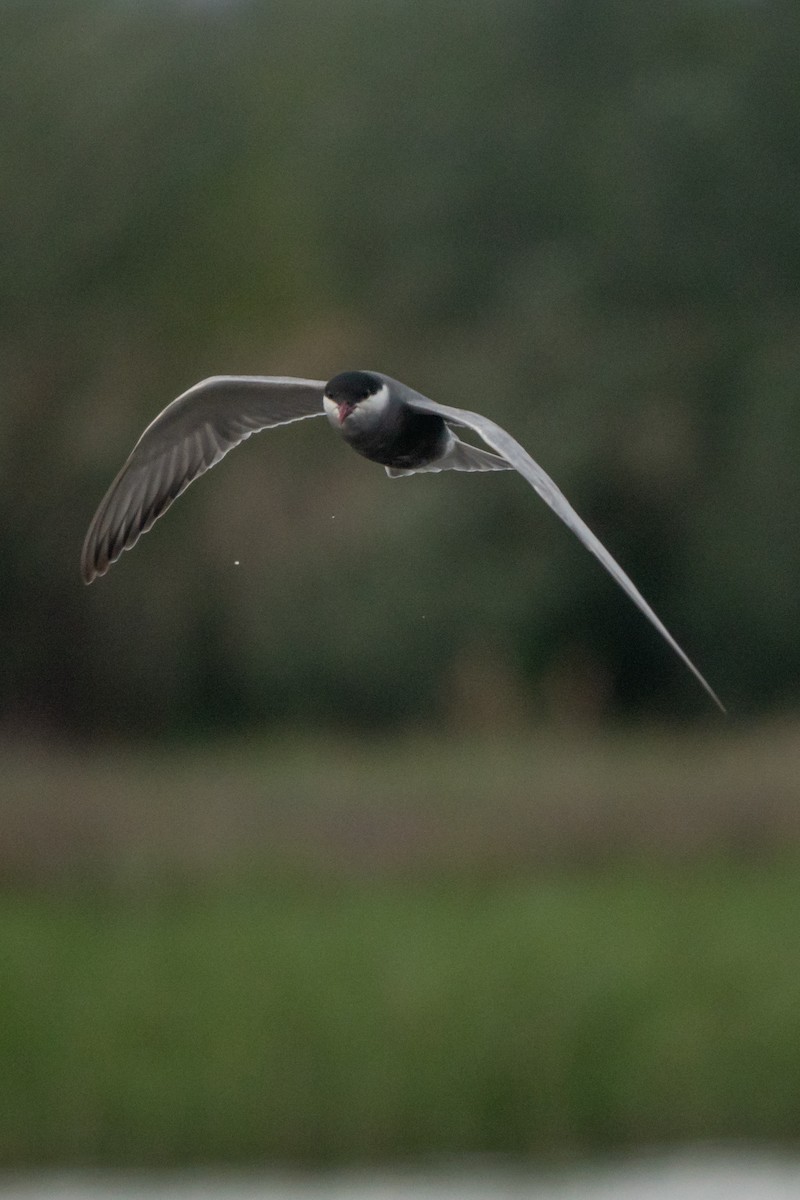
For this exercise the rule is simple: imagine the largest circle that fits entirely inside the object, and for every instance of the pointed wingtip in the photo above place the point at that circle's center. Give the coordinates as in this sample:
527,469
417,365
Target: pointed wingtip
91,569
705,685
88,572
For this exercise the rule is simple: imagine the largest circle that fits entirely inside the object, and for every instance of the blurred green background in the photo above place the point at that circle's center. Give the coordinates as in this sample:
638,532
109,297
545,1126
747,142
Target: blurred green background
352,820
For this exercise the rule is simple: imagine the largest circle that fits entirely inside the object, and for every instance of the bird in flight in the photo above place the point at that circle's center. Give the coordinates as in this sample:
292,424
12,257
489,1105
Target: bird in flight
381,418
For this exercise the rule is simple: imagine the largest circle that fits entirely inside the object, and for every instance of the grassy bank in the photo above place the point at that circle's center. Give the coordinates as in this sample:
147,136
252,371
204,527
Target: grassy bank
328,951
352,807
548,1012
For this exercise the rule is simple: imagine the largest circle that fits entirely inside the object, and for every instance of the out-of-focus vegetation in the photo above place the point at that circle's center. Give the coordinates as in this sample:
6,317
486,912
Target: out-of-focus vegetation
375,1020
579,217
123,815
370,1018
322,952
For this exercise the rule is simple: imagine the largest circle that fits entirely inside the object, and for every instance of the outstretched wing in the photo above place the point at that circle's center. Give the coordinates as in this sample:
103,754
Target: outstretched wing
192,434
503,443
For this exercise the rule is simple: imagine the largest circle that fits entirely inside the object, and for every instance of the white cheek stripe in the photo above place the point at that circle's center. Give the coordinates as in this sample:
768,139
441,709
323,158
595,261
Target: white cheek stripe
376,403
369,406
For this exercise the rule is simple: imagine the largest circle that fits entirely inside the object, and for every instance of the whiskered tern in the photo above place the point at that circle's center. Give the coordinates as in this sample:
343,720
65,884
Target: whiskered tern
381,418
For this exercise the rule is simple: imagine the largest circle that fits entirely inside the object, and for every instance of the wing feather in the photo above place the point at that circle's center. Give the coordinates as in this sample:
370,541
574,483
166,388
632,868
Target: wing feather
503,443
189,437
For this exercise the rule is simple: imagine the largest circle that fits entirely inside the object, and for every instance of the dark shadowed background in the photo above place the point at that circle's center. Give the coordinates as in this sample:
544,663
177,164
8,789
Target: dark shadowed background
351,819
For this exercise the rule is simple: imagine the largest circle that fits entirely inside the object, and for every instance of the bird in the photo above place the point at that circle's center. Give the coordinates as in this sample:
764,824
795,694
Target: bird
381,418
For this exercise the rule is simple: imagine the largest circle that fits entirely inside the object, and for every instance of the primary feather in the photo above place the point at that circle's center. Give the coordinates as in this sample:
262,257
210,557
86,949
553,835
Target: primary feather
191,435
504,444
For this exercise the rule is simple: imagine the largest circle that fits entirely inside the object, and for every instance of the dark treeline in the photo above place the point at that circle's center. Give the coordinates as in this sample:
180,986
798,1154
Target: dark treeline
579,217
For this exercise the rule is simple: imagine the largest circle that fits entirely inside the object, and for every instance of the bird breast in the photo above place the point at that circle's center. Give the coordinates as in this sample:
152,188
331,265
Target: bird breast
399,437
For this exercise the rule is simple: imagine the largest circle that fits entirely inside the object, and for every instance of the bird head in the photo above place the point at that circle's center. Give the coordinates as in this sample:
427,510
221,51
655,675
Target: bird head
354,393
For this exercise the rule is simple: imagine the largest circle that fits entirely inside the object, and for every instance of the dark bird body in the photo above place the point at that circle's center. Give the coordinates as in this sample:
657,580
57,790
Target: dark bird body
415,440
381,418
404,439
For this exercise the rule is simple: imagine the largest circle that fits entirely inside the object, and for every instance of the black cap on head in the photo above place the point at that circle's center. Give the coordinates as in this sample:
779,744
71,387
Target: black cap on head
353,386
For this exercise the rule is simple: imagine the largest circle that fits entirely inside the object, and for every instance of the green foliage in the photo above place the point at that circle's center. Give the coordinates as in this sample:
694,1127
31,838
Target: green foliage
578,217
337,951
549,1015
